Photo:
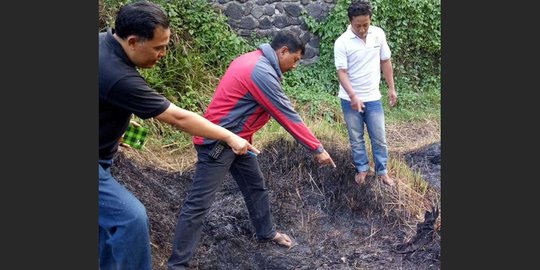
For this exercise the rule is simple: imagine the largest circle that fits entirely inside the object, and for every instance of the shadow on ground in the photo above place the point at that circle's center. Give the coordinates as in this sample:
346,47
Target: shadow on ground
334,223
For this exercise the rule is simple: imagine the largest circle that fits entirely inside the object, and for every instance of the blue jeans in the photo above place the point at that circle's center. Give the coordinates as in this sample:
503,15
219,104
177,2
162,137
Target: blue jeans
373,118
209,175
124,228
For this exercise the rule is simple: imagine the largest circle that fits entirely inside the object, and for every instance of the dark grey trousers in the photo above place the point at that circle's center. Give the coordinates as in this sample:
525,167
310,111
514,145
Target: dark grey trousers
209,175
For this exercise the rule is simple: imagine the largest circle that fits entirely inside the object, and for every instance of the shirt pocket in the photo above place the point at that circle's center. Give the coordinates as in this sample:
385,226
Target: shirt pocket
374,43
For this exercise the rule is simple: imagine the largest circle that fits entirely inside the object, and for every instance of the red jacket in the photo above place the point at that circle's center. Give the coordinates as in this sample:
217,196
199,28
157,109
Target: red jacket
249,94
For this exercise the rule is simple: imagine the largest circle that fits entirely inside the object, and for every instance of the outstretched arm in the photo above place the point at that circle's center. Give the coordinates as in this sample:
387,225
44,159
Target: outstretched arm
267,93
197,125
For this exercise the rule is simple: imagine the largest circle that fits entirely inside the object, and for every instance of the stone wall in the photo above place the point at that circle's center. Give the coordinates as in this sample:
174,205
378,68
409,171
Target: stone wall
261,18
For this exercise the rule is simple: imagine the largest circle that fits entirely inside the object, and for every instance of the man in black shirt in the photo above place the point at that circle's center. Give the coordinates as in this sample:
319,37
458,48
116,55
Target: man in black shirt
139,39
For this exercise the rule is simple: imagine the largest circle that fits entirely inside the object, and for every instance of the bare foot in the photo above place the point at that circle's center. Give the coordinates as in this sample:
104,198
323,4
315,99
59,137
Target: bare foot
386,179
360,177
282,240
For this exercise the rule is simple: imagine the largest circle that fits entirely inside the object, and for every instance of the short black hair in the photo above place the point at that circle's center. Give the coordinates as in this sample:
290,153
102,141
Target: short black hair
359,8
140,19
289,39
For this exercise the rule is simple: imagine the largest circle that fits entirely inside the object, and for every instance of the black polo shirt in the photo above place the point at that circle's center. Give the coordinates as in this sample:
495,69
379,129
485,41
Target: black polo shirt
122,92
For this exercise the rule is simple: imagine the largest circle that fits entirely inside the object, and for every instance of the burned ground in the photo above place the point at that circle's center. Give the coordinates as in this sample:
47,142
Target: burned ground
427,161
334,223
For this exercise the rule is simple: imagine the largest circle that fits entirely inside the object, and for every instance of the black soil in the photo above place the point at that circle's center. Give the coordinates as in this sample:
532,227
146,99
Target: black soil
334,223
427,161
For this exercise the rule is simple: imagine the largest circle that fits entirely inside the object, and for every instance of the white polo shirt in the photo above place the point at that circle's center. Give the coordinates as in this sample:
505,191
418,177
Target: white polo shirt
362,61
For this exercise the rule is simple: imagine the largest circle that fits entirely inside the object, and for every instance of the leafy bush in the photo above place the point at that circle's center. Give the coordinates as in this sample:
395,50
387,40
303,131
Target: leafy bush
203,45
413,32
207,28
413,29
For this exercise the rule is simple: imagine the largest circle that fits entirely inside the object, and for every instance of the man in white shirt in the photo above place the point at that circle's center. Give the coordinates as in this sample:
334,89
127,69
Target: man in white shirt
360,53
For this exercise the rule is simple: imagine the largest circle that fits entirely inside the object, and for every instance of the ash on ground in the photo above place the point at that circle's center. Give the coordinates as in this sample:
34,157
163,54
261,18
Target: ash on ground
427,161
334,223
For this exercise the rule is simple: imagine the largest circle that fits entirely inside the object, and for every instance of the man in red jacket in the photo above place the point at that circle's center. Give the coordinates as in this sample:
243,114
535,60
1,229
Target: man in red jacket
247,96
